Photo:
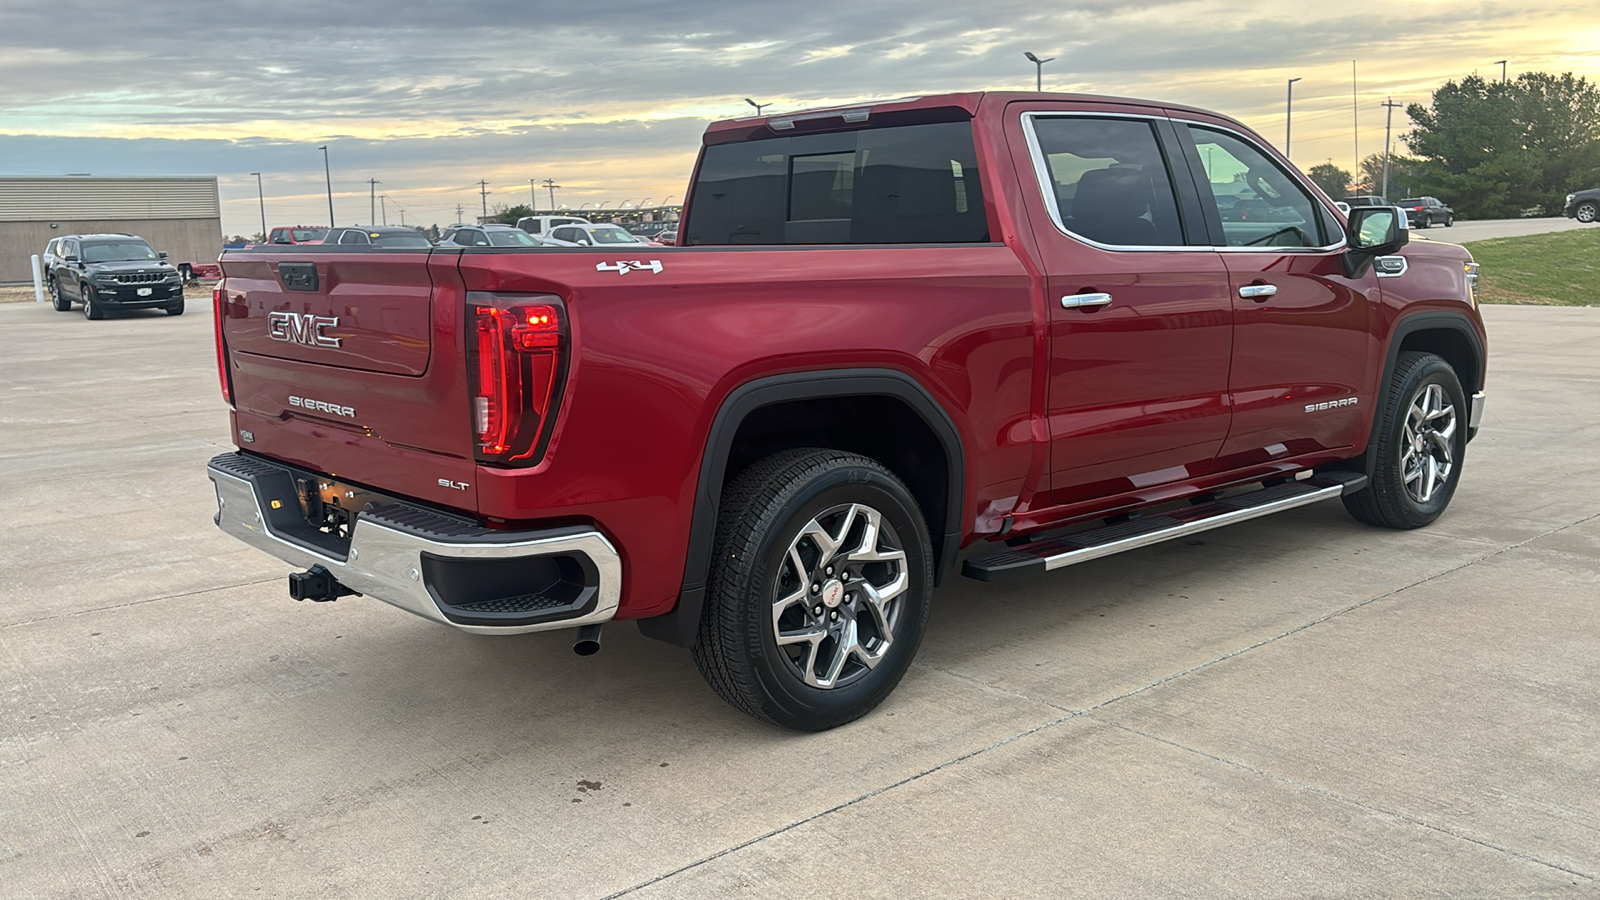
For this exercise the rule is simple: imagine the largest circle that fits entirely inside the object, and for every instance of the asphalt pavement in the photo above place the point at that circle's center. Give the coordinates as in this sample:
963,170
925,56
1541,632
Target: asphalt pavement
1296,706
1462,232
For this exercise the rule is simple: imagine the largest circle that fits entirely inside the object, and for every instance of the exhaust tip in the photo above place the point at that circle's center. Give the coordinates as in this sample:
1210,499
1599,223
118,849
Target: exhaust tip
588,641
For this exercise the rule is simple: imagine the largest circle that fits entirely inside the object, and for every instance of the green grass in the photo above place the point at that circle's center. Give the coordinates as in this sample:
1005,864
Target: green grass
1559,269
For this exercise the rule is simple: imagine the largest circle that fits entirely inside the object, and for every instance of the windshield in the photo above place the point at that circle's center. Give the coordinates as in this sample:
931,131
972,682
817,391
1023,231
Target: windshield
1411,201
117,250
511,239
612,235
302,235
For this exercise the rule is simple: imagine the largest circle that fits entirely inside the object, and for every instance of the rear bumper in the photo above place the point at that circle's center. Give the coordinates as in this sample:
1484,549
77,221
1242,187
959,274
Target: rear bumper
437,566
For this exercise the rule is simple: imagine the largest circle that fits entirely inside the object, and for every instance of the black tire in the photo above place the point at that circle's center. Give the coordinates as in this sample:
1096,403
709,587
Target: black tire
1587,211
175,308
1427,221
764,516
1389,499
61,303
185,274
1449,221
91,306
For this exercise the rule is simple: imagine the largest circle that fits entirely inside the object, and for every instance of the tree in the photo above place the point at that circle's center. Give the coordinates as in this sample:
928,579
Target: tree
1497,148
508,215
1334,181
1402,175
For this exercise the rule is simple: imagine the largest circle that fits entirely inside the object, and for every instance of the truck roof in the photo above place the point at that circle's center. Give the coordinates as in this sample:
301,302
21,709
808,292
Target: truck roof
728,130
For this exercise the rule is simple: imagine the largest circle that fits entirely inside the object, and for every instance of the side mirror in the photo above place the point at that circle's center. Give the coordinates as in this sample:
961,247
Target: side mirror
162,254
69,259
1373,231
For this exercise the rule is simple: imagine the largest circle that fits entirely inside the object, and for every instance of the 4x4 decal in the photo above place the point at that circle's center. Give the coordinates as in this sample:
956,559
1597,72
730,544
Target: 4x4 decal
624,266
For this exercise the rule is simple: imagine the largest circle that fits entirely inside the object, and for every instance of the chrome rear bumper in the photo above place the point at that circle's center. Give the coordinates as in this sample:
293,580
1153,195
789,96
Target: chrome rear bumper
400,555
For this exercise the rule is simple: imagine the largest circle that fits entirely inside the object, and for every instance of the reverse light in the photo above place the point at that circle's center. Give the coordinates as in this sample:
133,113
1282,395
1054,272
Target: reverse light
218,312
517,361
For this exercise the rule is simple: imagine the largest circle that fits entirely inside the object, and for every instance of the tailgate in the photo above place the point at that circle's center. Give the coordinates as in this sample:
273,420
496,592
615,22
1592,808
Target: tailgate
352,363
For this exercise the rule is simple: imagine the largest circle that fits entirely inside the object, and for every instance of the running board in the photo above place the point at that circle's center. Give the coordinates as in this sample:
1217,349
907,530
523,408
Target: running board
1054,553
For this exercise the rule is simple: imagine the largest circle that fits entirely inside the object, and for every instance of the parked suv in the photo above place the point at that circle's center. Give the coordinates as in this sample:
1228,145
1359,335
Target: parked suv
1583,206
1424,211
487,236
539,226
384,236
113,271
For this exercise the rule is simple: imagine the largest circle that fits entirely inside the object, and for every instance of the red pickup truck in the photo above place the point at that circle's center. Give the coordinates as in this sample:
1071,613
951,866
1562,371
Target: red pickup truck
1009,331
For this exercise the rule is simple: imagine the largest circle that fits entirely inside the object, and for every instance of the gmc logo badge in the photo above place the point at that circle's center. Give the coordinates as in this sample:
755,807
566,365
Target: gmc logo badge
301,328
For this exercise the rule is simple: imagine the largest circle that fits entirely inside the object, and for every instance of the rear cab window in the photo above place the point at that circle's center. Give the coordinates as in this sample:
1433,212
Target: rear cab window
901,184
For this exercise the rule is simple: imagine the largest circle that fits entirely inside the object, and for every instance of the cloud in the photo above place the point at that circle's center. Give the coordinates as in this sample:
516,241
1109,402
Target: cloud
609,100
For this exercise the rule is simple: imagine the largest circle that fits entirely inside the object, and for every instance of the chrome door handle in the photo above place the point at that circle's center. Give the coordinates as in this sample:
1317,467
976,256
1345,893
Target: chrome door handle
1258,292
1073,301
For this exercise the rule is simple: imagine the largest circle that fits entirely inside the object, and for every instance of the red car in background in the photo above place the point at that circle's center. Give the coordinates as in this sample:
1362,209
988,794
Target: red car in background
297,234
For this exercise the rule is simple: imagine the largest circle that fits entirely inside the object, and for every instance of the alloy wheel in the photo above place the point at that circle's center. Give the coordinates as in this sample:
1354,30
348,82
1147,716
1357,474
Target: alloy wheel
838,595
1427,457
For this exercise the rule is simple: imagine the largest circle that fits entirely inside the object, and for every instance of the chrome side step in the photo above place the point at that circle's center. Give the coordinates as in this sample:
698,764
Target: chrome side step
1055,553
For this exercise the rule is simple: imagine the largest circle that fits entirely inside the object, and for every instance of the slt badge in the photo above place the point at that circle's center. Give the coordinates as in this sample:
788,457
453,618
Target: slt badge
301,328
624,266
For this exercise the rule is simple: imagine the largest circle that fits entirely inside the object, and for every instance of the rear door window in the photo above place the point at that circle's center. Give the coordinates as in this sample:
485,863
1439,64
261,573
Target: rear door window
1108,181
909,184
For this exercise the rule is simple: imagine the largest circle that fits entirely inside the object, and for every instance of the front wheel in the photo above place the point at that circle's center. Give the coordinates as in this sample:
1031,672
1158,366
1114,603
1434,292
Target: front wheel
819,589
91,305
1420,444
1449,221
175,308
1587,212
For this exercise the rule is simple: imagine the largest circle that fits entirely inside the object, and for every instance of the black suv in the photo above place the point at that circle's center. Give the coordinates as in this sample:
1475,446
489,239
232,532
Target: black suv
113,271
1424,211
1584,206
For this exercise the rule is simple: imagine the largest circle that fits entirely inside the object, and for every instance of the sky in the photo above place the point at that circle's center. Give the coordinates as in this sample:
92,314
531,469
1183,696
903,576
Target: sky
608,98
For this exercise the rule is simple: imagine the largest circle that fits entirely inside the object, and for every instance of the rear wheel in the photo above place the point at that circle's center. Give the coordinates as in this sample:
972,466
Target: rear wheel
185,273
1420,444
1427,221
1587,211
91,304
61,303
819,589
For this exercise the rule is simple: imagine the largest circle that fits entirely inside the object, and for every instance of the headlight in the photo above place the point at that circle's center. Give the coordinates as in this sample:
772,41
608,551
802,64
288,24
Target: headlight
1471,268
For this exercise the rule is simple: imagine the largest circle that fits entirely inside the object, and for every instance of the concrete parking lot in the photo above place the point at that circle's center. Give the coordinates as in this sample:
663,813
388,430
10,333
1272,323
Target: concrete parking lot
1296,706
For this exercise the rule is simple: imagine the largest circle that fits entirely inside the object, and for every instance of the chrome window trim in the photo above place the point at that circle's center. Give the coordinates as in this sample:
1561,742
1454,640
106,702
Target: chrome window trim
1041,172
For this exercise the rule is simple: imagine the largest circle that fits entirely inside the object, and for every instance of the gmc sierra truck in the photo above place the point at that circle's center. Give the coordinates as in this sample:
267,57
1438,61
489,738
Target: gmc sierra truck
1004,332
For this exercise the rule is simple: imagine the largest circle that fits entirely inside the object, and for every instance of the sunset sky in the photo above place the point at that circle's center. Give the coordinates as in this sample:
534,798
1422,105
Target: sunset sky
609,99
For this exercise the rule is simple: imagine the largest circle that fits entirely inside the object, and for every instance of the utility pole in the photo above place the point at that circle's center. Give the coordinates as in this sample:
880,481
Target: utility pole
402,217
328,175
458,213
372,201
1288,116
1502,65
1388,118
483,191
551,185
533,196
383,204
263,198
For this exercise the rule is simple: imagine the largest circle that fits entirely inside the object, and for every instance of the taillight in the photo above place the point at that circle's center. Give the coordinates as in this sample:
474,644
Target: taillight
218,311
517,359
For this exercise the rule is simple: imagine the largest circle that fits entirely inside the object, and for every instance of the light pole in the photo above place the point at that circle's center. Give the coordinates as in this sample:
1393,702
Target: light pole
1502,64
1288,116
759,106
261,196
372,200
328,175
1038,69
533,196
